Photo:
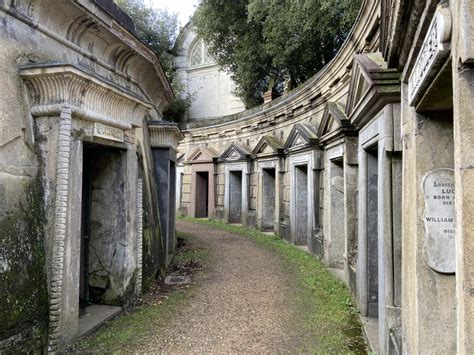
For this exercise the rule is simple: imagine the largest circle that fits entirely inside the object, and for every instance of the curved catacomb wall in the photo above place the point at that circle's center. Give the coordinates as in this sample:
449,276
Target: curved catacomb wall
357,165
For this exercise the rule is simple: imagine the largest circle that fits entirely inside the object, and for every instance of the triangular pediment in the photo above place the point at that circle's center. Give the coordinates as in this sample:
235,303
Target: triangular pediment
235,152
371,82
334,123
267,145
359,85
202,155
301,136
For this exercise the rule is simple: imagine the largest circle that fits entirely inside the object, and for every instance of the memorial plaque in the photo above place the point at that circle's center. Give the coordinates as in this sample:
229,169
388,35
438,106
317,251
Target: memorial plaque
439,220
108,132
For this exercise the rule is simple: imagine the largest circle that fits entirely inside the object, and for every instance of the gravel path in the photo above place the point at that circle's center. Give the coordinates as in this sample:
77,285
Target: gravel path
243,303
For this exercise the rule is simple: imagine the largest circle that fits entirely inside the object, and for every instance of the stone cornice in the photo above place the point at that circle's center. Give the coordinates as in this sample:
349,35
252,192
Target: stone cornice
276,148
163,134
335,124
315,92
235,152
98,38
59,84
373,85
302,137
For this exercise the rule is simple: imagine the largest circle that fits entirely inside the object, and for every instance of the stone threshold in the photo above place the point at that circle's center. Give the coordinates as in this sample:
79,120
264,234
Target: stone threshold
93,316
370,326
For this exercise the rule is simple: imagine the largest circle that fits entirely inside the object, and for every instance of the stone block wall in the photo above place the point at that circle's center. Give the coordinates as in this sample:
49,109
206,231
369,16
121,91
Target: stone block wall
44,130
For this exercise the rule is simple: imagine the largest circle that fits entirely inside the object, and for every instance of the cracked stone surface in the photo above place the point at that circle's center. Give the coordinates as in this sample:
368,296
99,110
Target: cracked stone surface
243,303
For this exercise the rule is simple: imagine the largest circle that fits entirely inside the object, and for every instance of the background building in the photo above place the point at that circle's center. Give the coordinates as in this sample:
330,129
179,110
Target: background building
211,88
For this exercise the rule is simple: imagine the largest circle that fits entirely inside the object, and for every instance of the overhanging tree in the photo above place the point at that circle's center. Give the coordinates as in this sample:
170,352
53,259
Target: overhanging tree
277,42
158,29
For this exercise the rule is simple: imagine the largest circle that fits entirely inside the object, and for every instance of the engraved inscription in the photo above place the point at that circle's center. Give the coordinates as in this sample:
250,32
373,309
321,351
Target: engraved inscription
439,219
108,132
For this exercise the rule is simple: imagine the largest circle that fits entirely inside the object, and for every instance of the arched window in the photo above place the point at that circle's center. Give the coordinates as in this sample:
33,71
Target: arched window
199,54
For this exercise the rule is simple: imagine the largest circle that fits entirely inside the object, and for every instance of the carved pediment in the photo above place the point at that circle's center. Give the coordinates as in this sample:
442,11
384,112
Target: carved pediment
301,136
372,86
266,146
201,155
235,152
334,123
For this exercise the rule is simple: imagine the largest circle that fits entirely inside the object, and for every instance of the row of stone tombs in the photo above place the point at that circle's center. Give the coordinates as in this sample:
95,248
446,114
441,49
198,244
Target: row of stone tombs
286,188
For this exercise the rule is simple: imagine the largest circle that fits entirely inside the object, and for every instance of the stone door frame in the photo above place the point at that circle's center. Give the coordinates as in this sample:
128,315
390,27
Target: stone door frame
243,167
269,163
304,158
210,169
74,131
334,154
381,132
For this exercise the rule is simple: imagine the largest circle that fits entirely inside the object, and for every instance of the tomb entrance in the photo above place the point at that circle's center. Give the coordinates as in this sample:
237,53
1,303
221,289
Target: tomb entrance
268,199
301,195
235,196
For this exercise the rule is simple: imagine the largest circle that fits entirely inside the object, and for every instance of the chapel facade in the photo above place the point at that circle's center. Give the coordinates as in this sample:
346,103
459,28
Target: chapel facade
210,88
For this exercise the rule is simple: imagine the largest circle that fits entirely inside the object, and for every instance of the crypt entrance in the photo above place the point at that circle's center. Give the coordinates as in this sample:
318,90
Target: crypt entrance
103,223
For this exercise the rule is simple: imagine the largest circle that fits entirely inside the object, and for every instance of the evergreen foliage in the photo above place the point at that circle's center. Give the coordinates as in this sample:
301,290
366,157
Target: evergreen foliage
273,44
158,29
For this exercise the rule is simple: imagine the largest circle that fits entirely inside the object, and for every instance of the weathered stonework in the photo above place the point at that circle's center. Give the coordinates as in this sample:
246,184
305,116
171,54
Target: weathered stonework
76,92
393,106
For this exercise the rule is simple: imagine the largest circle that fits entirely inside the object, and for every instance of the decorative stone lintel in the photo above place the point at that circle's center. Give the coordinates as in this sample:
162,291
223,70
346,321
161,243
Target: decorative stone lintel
164,134
435,49
57,84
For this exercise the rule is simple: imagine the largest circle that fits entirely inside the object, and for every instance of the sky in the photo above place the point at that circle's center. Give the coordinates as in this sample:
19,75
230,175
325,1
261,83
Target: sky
184,8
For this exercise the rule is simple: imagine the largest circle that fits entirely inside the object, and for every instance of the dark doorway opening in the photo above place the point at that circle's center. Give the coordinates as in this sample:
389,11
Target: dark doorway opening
103,224
268,199
301,208
202,194
235,197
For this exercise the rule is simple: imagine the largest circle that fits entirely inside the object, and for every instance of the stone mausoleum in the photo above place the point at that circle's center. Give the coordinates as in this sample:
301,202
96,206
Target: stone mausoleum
369,165
87,168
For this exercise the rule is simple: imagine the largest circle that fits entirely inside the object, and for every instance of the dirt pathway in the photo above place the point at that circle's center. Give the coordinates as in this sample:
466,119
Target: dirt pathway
242,304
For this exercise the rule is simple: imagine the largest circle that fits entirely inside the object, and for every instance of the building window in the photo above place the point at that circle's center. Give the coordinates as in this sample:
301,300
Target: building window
199,54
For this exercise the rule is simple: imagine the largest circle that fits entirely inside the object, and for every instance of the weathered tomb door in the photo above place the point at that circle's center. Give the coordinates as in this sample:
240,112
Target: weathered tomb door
372,233
268,198
202,194
301,204
235,196
103,224
336,214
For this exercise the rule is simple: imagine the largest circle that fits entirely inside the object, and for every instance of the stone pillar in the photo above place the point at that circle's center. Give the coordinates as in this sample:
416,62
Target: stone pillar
164,138
463,99
350,209
428,297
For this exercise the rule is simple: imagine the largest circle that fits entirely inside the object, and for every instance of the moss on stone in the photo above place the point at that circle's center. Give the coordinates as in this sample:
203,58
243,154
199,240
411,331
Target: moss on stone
24,301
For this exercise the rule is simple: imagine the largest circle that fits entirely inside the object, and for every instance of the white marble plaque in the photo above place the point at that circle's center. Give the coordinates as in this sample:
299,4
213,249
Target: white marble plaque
439,220
108,132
